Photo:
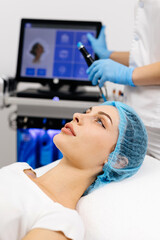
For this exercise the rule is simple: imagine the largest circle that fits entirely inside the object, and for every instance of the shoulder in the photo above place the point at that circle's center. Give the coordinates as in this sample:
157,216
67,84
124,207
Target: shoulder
62,219
41,234
16,166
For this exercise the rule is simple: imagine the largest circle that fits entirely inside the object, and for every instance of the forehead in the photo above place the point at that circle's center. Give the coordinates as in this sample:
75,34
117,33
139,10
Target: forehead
110,110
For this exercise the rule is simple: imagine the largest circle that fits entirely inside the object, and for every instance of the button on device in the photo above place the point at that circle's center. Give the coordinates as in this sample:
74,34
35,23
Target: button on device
141,4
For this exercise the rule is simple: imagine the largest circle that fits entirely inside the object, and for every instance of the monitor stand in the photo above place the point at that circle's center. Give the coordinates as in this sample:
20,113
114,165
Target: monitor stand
64,93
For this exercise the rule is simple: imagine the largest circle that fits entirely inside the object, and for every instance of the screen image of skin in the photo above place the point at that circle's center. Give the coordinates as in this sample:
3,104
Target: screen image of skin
98,147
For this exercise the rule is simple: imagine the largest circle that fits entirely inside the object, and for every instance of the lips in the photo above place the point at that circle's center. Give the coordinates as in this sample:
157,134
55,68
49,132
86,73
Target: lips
68,129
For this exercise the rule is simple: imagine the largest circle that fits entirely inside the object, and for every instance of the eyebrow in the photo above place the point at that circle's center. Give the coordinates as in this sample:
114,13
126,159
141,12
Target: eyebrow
103,113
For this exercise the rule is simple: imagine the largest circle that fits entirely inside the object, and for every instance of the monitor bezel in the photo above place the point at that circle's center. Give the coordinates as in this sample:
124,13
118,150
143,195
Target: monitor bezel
45,81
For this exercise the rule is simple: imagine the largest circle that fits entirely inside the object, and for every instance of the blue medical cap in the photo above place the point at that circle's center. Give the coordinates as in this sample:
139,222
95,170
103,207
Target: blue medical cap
131,148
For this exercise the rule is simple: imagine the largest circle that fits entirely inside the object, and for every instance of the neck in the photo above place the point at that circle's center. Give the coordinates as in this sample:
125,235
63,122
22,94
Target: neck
65,184
37,58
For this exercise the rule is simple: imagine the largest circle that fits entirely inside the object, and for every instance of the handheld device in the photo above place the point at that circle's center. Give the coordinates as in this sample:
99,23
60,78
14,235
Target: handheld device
89,60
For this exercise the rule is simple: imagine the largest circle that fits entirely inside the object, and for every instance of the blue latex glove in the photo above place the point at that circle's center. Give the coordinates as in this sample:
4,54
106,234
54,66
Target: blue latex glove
108,70
99,44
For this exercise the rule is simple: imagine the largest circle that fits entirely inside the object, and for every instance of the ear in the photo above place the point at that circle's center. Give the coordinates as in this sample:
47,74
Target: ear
121,162
105,161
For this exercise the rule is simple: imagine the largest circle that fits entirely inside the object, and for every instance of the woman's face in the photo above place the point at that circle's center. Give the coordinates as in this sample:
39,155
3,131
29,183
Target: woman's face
89,138
39,49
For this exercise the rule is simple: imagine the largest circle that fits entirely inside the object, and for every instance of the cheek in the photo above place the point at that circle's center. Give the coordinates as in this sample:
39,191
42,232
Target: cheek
97,144
89,145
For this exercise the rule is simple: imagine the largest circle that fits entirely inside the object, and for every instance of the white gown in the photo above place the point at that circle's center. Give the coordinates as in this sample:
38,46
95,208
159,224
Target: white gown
146,50
24,206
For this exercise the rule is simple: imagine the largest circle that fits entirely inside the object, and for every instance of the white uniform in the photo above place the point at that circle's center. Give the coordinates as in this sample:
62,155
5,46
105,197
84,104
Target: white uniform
24,206
146,50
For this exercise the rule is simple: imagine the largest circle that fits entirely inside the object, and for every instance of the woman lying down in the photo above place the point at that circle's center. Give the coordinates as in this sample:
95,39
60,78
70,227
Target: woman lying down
107,143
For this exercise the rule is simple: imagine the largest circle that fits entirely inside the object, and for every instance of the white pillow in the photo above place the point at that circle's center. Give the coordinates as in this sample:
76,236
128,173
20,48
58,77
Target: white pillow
126,210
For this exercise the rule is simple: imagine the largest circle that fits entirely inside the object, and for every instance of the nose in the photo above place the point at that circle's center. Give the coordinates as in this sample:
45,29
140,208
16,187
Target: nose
78,118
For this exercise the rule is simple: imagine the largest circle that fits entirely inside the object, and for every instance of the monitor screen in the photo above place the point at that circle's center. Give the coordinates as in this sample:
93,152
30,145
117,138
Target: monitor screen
48,50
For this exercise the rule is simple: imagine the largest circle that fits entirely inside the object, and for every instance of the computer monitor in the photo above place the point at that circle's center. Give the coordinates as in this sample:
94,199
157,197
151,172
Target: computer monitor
48,50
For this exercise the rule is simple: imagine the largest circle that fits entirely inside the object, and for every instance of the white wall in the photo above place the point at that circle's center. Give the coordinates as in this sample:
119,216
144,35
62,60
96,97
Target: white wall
117,15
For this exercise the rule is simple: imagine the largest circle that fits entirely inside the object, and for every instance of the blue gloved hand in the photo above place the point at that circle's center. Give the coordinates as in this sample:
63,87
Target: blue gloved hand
99,44
108,70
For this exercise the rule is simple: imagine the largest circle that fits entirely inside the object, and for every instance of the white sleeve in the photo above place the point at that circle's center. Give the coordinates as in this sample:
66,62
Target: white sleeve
67,222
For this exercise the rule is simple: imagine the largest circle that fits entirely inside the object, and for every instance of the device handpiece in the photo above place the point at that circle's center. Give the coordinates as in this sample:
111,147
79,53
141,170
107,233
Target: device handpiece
89,60
87,56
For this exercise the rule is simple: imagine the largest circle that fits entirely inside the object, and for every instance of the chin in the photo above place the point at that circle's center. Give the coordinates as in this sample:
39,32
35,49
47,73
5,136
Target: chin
65,146
60,142
57,140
